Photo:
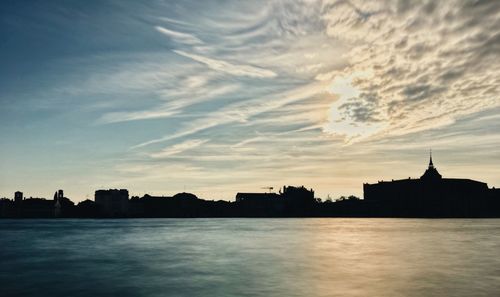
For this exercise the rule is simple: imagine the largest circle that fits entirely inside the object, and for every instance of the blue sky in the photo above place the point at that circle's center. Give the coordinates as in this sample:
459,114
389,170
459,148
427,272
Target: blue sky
215,97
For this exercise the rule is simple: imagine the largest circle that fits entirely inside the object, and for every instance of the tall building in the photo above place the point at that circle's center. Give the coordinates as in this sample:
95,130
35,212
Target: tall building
113,202
18,196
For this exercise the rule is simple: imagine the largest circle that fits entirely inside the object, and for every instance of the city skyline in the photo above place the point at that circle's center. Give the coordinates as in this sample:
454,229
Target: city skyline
219,97
430,196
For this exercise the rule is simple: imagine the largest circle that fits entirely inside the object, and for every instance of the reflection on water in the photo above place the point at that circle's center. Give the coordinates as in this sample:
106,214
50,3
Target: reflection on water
250,257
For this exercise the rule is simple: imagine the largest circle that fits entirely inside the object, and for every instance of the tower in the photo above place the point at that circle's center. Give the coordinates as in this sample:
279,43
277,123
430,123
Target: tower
431,173
58,197
18,196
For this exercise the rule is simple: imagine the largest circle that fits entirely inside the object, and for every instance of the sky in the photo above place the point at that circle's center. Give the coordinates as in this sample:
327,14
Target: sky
216,97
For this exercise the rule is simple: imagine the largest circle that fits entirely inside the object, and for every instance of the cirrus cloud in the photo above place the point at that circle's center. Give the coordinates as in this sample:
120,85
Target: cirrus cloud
226,67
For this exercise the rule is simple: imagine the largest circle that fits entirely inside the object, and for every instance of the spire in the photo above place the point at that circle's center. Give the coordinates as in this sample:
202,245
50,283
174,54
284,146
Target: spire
430,159
431,173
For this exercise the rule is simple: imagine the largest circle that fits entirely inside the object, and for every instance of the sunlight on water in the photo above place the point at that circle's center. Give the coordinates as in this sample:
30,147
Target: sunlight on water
250,257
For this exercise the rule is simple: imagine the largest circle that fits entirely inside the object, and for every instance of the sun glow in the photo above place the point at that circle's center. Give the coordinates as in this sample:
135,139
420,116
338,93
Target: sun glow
343,112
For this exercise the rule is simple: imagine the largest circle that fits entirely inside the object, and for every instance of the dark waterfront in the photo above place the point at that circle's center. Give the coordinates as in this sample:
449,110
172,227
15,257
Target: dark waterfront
250,257
430,196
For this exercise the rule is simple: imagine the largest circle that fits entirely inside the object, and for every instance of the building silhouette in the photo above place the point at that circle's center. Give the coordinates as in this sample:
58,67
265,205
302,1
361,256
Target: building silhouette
290,201
431,195
18,197
34,207
112,202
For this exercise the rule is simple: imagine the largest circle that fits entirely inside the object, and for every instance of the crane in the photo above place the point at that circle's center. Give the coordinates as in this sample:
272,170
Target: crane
268,188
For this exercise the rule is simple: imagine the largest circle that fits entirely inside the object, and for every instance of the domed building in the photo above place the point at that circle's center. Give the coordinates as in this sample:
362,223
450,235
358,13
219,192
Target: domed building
185,196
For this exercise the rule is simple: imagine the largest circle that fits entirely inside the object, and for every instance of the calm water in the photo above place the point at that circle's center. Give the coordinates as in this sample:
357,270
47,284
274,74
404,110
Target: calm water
250,257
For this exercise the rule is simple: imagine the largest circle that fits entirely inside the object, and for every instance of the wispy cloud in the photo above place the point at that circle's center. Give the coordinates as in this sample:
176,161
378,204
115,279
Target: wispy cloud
226,67
115,117
179,148
176,102
179,36
240,112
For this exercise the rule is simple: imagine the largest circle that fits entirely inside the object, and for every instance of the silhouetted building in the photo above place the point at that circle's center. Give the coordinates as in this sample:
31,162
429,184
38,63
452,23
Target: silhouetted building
7,208
180,205
298,201
18,197
113,202
258,204
291,201
299,195
255,197
430,196
37,208
87,209
22,207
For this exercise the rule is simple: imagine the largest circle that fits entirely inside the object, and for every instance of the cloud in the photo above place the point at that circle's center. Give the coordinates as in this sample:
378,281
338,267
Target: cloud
432,64
180,37
240,112
178,148
226,67
195,93
115,117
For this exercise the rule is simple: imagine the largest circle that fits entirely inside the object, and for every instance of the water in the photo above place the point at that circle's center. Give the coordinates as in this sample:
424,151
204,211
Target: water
250,257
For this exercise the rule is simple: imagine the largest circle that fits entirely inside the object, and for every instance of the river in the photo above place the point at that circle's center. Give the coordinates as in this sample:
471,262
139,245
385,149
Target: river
250,257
